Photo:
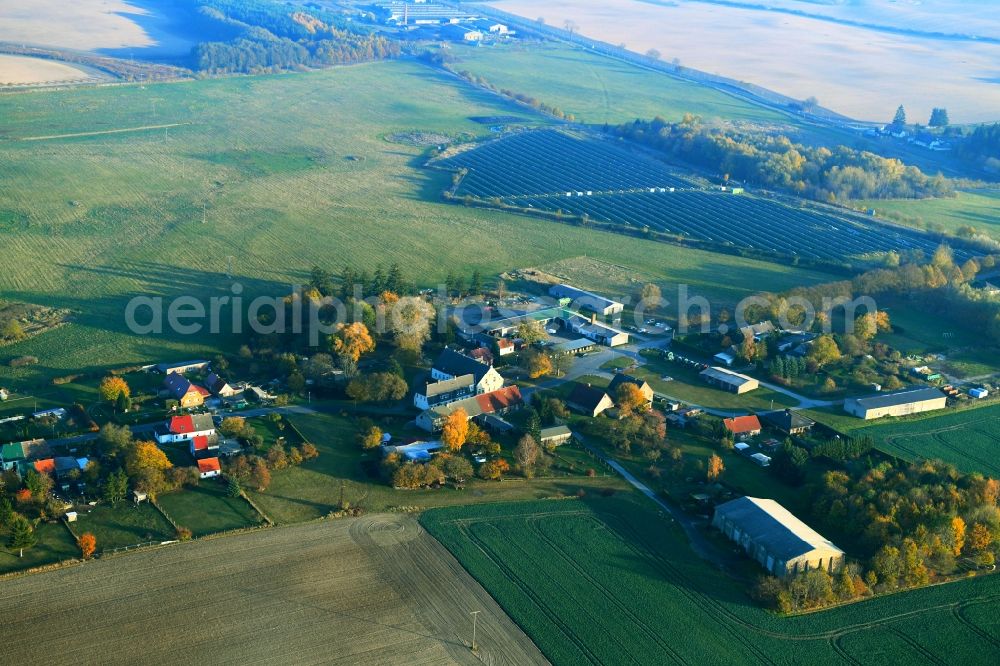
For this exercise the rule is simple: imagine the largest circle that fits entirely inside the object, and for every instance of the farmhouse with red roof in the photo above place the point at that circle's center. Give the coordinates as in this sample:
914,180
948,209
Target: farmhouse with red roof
209,467
478,407
204,444
186,428
743,426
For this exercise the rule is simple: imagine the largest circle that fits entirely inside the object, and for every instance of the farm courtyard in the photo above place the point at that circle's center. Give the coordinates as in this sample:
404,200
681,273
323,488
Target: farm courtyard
374,590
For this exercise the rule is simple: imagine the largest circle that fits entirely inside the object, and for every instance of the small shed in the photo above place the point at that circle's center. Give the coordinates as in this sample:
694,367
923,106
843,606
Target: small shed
741,446
139,497
978,393
71,516
761,459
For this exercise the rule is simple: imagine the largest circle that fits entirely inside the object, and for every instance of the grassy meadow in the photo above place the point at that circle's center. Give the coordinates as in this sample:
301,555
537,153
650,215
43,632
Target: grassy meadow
313,489
270,175
975,208
609,580
597,89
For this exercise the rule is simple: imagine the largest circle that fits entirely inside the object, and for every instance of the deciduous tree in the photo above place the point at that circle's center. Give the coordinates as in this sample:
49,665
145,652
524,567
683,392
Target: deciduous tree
531,331
651,297
88,544
409,321
494,469
115,487
824,351
715,467
526,455
455,430
538,364
629,398
352,340
111,387
371,438
260,475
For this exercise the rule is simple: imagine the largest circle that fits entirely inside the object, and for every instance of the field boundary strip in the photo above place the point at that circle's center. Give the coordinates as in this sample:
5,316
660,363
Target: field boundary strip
123,130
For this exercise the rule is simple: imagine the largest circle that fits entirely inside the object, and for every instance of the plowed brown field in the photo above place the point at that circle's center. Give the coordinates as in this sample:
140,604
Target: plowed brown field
373,590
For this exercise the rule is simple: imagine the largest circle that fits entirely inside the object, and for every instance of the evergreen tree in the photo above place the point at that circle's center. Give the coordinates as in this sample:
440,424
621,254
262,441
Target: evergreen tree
233,487
939,118
21,535
394,281
899,120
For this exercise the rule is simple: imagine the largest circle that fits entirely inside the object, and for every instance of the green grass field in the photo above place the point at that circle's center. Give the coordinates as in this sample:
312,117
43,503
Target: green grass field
312,490
278,173
966,354
976,208
54,544
127,524
968,439
609,581
207,508
597,89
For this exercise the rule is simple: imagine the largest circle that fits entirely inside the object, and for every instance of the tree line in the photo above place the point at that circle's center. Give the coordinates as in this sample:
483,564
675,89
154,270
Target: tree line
982,147
774,161
269,36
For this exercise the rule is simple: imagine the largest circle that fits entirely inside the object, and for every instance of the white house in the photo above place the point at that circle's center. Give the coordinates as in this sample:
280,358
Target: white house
209,467
451,364
186,428
444,391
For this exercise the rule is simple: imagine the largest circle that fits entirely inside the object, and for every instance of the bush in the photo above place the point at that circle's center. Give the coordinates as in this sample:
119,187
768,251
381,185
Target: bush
23,361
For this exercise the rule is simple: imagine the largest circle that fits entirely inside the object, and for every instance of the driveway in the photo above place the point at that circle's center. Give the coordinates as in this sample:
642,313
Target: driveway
699,544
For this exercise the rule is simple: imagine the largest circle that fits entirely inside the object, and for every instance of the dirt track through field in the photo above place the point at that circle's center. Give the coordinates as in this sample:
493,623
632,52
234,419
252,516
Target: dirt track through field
123,130
371,590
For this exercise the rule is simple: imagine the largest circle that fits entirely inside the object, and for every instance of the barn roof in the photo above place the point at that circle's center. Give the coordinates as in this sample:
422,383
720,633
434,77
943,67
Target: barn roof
772,526
904,397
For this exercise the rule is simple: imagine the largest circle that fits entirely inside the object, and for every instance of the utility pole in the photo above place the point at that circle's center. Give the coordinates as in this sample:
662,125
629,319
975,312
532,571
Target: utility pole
475,616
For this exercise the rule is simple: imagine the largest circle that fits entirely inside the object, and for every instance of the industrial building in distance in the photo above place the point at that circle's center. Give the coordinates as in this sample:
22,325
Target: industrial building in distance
898,403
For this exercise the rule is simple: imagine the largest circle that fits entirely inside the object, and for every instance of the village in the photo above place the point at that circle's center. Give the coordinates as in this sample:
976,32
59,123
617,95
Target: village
549,380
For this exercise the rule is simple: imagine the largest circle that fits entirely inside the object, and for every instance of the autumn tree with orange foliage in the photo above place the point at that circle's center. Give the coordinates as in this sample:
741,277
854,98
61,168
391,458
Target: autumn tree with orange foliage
538,364
111,387
494,470
957,535
455,430
715,467
629,398
352,340
88,544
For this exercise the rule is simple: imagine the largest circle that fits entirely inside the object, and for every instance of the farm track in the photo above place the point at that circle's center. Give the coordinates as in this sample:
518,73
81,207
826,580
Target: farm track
957,612
980,429
375,590
582,571
920,649
124,130
512,576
